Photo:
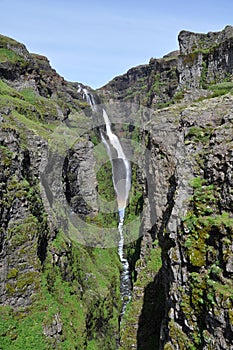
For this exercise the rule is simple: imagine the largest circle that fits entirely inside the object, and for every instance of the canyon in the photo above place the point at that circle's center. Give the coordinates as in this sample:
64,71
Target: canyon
60,270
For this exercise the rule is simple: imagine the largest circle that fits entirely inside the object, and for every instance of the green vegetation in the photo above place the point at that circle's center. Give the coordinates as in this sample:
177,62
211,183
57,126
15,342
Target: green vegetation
73,291
221,88
27,111
10,56
81,290
77,286
204,72
205,231
6,156
105,184
148,270
179,95
6,90
30,95
198,134
107,193
88,289
202,220
21,329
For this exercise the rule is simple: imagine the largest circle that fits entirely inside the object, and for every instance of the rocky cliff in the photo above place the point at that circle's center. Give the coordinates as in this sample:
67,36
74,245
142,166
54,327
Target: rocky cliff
54,292
187,304
57,293
202,61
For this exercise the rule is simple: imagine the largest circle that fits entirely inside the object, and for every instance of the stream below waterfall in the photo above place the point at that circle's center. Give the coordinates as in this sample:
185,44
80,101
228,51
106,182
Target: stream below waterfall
121,177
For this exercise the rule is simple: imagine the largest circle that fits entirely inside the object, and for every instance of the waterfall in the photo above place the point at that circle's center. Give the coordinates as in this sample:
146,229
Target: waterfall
120,168
121,177
87,96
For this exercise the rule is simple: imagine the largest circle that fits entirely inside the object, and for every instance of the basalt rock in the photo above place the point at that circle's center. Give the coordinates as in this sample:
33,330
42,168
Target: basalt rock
202,59
68,295
50,295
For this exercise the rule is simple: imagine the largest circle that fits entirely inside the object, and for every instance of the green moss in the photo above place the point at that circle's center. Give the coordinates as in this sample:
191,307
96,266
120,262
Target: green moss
12,273
190,58
179,338
10,288
179,95
89,290
29,95
204,230
204,73
203,217
5,156
28,279
105,184
7,55
5,89
221,88
168,346
4,41
21,330
148,270
82,288
29,111
23,231
198,134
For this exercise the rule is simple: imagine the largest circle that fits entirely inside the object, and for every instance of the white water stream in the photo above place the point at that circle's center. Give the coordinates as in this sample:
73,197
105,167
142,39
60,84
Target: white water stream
87,96
121,177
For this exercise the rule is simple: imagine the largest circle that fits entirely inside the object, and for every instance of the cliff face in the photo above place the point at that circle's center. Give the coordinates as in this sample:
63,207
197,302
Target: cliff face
202,60
152,85
189,301
205,59
56,293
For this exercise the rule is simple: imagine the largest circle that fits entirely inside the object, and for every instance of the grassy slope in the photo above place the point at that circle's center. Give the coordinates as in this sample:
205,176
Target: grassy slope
85,294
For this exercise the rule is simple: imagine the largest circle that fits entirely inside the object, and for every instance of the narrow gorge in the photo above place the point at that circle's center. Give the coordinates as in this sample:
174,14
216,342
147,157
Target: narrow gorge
121,179
116,203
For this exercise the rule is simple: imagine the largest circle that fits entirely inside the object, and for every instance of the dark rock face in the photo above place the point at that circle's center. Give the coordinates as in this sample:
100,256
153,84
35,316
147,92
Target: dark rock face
81,162
191,293
194,306
151,85
182,265
200,265
23,230
47,283
203,59
189,41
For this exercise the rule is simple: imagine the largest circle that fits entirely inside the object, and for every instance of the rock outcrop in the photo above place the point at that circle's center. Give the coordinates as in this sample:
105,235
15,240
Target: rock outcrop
202,60
57,293
205,58
188,304
54,293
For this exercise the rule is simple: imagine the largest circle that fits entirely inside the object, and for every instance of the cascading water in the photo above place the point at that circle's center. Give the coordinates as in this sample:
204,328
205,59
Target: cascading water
87,96
121,177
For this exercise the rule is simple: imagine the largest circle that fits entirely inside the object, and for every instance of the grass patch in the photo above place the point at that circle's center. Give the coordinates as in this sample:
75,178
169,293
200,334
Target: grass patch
6,90
205,232
221,88
198,134
148,270
7,55
81,290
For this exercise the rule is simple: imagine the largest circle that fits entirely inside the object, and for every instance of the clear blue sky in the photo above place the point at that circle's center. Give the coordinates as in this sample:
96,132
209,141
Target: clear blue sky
92,41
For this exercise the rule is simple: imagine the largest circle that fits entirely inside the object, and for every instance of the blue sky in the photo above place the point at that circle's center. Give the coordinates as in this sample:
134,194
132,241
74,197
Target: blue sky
93,41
